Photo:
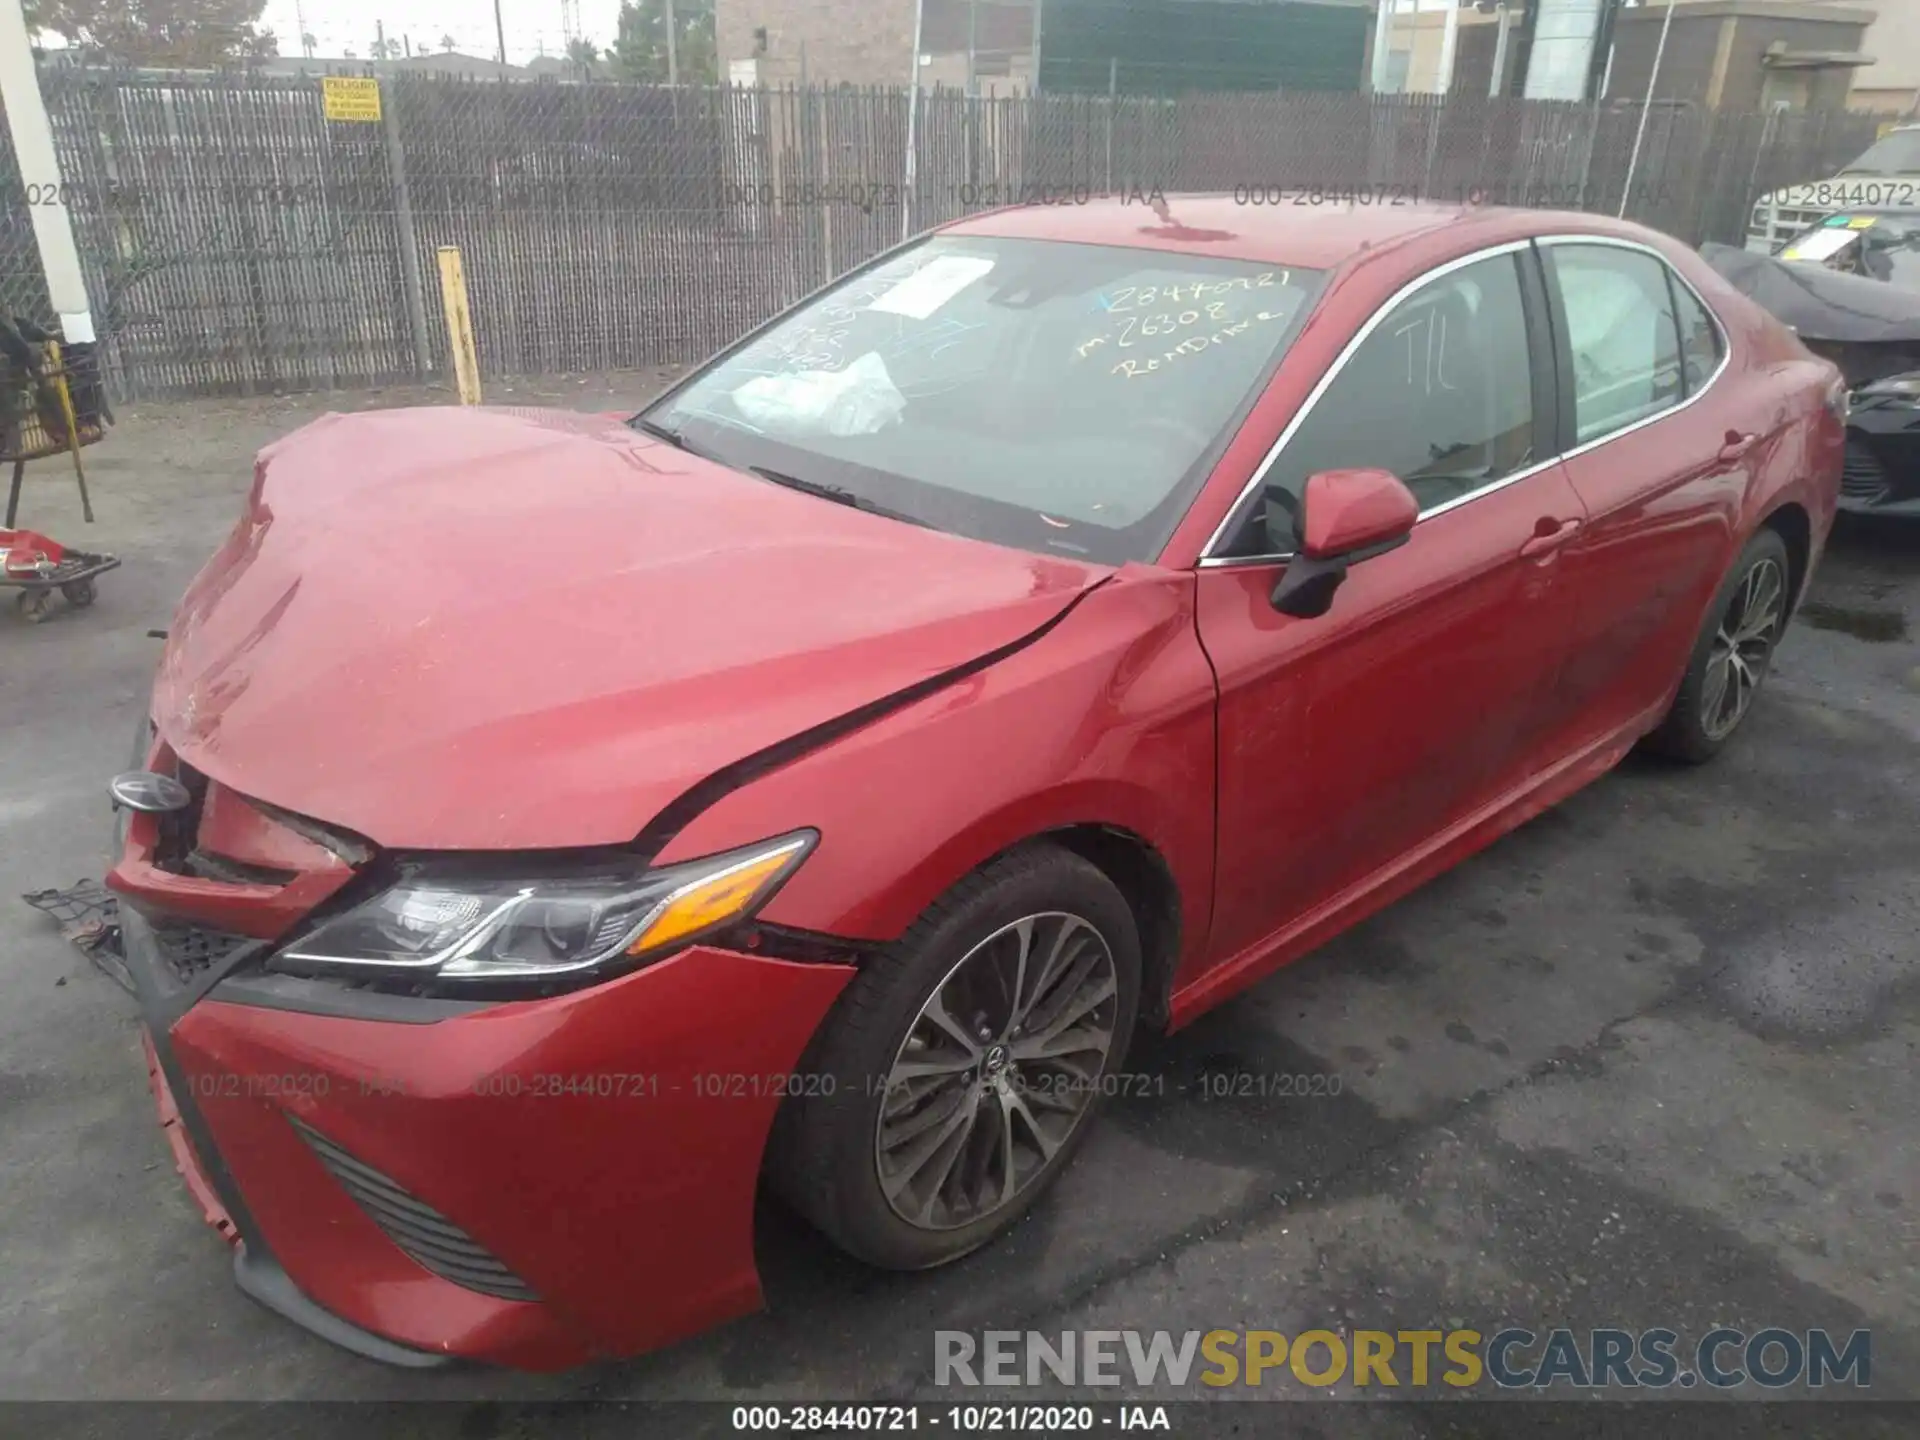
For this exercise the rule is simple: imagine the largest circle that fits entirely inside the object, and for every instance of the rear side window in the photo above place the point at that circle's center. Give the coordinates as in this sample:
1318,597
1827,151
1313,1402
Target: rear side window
1622,333
1700,346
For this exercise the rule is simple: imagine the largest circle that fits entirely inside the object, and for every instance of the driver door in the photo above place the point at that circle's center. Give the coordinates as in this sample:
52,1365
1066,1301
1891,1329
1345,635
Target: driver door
1351,744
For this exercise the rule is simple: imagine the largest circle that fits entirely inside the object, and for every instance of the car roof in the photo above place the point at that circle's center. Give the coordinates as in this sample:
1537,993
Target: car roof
1308,235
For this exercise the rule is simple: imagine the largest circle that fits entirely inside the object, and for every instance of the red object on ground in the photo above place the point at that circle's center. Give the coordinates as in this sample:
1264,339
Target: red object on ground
29,553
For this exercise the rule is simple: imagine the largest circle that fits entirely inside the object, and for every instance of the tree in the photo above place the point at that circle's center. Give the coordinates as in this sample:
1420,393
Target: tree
583,56
640,45
309,44
384,49
447,43
161,34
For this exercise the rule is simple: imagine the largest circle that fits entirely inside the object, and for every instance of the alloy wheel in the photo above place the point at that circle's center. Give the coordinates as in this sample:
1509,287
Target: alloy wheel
998,1069
1742,647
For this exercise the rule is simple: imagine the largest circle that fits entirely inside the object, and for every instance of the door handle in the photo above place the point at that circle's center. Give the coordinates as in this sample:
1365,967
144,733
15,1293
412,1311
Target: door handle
1549,534
1734,444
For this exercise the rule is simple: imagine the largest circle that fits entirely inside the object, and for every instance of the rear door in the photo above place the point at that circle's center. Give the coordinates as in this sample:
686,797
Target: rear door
1348,742
1661,454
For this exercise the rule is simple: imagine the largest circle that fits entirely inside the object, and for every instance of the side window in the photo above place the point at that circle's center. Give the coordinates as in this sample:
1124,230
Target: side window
1621,330
1700,347
1440,393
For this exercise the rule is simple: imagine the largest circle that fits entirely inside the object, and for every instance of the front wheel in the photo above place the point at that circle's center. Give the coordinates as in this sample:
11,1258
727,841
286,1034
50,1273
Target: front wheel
959,1071
1731,656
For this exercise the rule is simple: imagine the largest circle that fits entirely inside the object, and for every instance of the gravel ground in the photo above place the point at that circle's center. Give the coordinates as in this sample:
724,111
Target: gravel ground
1648,1061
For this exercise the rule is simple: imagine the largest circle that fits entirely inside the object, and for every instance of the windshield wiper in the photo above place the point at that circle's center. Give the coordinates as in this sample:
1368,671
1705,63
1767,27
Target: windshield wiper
834,493
672,436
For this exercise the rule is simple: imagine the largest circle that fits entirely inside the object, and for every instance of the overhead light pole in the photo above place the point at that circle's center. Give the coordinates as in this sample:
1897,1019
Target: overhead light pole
907,206
1640,130
1382,38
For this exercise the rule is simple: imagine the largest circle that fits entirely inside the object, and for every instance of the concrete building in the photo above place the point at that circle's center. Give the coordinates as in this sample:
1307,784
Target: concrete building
870,42
1726,54
1141,47
425,62
1891,83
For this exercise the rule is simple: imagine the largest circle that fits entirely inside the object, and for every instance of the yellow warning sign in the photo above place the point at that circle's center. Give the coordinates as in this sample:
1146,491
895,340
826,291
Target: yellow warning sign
349,97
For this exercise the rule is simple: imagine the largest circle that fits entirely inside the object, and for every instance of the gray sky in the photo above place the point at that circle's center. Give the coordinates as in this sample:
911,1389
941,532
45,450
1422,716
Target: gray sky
341,24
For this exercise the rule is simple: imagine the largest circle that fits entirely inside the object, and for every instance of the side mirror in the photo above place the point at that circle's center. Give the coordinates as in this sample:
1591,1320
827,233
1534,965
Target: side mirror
1346,516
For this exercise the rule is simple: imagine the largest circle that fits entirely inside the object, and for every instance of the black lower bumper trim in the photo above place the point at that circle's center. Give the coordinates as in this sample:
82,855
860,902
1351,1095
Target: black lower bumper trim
261,1277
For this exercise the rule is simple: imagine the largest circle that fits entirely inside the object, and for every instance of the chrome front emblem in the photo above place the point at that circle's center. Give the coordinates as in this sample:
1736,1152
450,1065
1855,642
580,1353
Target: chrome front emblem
145,791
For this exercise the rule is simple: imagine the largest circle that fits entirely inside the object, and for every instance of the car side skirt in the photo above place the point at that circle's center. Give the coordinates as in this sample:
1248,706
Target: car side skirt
1445,850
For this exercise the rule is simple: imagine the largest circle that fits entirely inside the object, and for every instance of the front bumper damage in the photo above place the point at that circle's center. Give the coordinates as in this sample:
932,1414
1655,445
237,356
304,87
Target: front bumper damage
1882,474
532,1183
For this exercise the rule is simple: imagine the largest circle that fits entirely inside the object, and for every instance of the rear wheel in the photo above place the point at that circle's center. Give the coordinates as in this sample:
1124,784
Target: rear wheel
1731,656
958,1073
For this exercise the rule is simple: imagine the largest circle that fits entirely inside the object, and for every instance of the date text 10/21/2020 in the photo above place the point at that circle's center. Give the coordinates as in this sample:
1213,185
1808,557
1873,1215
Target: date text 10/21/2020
1207,1085
854,1419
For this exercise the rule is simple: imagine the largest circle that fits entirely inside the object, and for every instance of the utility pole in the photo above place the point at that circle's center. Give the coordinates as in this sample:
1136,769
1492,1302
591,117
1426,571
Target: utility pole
1382,39
1039,17
973,38
379,39
1640,132
1497,84
40,175
500,31
913,125
673,47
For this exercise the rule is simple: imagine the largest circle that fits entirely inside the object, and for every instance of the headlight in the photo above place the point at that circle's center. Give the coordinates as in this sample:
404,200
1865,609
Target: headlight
447,922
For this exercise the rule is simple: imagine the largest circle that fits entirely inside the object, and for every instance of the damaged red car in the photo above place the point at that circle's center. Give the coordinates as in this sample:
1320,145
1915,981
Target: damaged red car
550,829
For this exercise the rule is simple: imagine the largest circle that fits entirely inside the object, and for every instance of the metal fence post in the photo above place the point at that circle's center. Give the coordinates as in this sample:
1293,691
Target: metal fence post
908,209
1113,99
603,231
408,241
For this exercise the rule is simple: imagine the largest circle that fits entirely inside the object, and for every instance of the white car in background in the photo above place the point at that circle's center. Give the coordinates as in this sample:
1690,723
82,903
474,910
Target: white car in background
1885,175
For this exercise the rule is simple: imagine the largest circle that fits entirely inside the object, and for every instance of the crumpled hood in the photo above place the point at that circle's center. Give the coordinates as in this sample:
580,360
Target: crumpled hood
505,629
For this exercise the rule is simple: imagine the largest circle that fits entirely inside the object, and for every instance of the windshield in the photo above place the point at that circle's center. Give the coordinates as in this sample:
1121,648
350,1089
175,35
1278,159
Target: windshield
1882,245
1052,396
1895,153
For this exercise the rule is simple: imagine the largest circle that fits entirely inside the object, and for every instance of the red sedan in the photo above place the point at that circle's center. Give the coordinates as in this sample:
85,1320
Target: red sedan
550,826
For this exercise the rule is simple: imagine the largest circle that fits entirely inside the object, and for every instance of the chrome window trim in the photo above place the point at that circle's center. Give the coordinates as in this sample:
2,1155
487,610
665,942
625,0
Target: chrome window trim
1209,561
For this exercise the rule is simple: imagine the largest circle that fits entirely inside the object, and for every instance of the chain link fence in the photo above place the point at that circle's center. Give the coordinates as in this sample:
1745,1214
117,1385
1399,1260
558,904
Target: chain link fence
237,241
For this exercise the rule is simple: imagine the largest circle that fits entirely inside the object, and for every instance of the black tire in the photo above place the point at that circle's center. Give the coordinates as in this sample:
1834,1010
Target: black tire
824,1160
78,593
1685,734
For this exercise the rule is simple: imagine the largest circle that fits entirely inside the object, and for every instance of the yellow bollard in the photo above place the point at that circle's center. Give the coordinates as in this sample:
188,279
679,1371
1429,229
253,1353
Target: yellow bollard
59,368
453,299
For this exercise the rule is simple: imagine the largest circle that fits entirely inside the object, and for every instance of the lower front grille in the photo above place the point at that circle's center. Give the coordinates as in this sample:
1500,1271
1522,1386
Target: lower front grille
1862,476
426,1236
190,951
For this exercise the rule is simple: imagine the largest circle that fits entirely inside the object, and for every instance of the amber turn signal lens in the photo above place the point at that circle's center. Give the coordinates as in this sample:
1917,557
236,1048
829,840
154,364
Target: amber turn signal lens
714,899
